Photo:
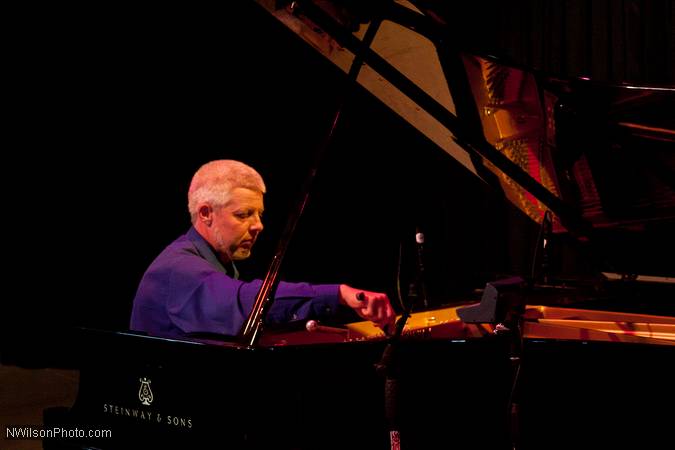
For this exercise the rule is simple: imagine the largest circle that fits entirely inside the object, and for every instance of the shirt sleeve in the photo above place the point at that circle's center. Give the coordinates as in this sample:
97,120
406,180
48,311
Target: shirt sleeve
202,299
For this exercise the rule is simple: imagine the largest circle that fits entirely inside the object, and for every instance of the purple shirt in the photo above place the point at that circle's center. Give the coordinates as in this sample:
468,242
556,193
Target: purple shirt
187,290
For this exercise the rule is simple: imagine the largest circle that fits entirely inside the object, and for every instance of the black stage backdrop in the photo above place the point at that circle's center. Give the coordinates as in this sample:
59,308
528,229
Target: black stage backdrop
116,109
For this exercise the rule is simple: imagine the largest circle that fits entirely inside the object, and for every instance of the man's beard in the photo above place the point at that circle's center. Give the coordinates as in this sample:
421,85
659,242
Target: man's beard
232,252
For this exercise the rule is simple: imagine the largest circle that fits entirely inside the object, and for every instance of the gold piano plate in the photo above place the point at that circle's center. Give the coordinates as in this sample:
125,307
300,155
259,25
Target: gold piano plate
540,322
545,322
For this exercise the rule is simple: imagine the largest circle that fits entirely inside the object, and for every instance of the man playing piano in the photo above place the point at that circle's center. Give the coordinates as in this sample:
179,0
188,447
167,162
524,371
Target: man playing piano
193,285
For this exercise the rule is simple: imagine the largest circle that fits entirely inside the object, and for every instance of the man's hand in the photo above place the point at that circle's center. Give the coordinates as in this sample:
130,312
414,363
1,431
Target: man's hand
373,306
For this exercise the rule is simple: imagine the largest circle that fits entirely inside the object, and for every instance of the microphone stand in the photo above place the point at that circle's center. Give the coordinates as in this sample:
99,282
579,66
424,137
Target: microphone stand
542,249
421,287
512,327
388,365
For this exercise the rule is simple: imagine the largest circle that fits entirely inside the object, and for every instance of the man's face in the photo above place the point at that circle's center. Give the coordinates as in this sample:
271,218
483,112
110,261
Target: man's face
237,224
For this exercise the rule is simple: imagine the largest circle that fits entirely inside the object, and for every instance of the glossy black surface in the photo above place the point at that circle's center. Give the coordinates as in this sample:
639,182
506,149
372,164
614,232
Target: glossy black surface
453,394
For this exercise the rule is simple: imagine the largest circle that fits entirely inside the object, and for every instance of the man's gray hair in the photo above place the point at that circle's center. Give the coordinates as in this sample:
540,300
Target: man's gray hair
214,181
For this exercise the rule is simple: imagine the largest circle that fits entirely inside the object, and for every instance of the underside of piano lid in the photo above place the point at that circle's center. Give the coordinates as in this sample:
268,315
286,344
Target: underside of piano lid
597,158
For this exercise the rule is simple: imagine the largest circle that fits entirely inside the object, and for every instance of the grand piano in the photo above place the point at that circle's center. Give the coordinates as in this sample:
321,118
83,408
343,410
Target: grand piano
542,360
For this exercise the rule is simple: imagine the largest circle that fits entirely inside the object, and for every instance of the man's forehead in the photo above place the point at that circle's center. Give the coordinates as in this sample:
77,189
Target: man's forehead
241,195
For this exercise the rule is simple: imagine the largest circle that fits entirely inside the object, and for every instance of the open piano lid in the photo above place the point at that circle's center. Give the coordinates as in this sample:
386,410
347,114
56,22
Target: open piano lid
600,157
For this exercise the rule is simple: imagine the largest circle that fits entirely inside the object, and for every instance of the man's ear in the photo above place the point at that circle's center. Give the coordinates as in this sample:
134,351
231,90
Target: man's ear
205,214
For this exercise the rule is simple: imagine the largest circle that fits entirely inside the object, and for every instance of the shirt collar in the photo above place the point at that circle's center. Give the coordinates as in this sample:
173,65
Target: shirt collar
207,252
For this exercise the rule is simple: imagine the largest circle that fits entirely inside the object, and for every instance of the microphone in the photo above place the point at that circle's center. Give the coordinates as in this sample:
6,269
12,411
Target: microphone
421,288
419,237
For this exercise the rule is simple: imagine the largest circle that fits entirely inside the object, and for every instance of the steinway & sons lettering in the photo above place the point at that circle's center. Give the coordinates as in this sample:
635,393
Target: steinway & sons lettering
139,414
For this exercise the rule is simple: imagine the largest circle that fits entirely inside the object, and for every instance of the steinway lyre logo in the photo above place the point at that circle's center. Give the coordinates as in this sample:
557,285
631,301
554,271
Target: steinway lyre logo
144,392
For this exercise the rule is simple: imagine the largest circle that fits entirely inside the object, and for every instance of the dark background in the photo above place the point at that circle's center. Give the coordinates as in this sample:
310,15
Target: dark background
617,41
116,109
